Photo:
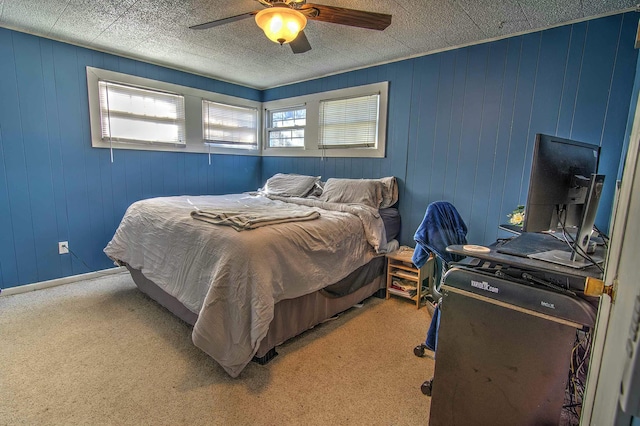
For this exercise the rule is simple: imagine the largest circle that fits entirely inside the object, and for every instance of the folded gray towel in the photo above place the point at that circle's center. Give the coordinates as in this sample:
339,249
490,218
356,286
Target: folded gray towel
245,220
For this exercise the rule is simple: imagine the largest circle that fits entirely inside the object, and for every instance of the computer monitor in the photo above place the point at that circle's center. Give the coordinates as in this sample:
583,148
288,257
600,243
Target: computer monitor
564,191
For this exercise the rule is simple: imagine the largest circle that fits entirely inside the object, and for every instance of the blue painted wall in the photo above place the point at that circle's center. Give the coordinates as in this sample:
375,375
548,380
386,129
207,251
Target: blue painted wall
461,127
55,187
462,123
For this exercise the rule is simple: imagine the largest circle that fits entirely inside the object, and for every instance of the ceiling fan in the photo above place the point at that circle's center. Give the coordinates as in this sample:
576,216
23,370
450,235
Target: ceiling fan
283,21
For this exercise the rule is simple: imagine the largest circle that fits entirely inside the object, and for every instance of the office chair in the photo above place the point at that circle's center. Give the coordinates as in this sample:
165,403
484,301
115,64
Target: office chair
441,226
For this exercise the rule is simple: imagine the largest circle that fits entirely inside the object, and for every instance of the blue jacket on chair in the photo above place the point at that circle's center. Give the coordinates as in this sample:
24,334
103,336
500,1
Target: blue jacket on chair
442,226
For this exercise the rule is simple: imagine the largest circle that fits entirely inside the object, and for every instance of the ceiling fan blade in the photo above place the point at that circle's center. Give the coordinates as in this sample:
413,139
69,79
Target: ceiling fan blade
223,21
300,44
351,17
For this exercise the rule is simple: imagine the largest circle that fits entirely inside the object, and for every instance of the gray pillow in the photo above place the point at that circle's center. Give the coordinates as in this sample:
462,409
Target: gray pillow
353,191
389,191
290,185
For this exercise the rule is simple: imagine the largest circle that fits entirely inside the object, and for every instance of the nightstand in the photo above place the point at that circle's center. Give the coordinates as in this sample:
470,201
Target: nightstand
401,269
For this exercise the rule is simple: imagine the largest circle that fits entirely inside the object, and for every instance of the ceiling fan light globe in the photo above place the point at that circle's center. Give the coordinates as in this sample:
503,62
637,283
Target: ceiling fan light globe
275,24
281,24
293,27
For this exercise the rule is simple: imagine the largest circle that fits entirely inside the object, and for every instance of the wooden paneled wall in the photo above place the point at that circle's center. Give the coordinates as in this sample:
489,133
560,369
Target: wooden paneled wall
462,123
461,127
55,187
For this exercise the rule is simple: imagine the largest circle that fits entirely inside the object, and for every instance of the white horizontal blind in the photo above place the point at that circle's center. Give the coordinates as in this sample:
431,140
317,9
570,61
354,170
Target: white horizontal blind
286,127
350,122
133,114
230,125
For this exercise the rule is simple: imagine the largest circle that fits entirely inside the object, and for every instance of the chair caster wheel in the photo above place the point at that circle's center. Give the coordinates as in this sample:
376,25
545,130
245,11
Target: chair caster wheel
419,350
426,388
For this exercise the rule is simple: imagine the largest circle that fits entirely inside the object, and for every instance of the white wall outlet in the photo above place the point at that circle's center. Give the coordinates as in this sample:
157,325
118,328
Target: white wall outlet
63,247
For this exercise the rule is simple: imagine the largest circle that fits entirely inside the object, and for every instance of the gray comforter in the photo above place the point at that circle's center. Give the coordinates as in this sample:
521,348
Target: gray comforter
233,279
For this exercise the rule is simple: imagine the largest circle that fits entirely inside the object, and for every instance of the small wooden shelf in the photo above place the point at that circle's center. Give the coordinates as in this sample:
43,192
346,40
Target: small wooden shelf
405,275
401,293
400,265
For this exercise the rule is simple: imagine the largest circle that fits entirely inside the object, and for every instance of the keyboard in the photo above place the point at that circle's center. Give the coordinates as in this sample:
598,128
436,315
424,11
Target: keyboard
529,243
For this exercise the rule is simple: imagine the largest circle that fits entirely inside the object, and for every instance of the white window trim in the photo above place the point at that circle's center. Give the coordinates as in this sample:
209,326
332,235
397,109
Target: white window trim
193,113
311,137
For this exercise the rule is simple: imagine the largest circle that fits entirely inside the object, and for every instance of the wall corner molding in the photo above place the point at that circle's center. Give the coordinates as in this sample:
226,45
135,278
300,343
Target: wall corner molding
60,281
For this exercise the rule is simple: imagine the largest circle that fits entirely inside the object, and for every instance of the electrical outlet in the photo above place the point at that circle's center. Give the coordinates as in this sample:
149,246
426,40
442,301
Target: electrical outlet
63,247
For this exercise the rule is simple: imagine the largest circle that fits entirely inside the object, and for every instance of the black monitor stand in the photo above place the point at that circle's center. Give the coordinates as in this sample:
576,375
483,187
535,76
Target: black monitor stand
576,258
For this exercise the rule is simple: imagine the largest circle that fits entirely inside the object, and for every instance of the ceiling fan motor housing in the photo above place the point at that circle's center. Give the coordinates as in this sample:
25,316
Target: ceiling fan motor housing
294,4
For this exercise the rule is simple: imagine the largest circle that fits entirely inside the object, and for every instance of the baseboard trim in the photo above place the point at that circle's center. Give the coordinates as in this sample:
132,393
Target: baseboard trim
60,281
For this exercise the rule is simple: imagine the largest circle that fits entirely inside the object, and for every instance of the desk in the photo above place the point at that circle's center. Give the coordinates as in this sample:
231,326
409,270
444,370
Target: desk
556,274
497,364
504,347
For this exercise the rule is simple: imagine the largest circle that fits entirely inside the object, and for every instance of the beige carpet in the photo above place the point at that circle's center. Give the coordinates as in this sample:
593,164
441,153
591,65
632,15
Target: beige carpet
100,352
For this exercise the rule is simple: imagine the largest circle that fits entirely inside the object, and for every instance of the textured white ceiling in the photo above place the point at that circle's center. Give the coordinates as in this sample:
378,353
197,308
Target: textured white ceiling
157,31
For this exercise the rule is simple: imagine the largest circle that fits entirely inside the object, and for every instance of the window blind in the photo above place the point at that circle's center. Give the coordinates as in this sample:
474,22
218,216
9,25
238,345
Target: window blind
133,114
349,122
230,125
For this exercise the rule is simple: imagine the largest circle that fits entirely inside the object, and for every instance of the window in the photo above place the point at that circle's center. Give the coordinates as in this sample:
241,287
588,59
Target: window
286,127
229,125
350,122
132,114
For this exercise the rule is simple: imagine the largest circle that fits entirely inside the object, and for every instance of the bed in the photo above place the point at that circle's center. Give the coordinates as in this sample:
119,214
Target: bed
251,270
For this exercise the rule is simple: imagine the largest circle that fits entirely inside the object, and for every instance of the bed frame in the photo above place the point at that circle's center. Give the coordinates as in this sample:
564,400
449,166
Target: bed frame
291,316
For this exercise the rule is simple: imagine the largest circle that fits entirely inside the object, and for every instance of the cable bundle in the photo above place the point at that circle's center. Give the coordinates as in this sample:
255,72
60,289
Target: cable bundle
577,375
